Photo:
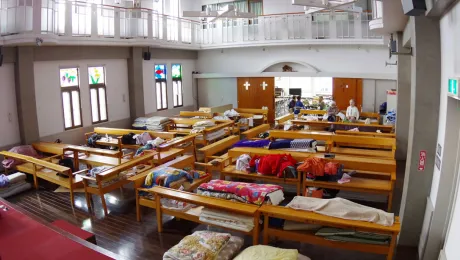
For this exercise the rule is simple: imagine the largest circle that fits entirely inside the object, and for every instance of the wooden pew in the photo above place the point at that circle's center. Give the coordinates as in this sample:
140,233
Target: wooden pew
204,202
269,211
312,112
195,113
48,171
239,125
102,183
373,134
263,112
93,156
117,133
282,119
49,148
374,175
370,115
254,132
382,147
361,126
210,150
177,125
179,163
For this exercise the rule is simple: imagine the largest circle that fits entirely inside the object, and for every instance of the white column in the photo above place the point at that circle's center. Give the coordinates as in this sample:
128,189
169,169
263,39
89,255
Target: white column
36,17
308,27
165,27
179,30
94,32
150,25
116,21
193,28
358,26
68,18
332,26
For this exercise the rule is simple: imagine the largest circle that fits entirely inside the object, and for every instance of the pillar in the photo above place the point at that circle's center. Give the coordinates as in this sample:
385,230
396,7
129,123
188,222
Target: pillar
25,95
423,125
136,83
403,102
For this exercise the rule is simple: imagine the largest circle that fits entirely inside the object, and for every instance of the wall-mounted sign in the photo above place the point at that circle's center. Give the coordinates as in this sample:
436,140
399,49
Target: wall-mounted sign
422,160
452,87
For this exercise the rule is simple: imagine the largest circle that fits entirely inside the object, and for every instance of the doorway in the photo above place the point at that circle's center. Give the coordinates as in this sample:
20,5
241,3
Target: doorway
345,89
257,93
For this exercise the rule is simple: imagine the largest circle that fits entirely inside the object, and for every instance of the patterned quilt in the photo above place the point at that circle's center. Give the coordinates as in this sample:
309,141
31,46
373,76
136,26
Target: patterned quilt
201,245
295,143
249,192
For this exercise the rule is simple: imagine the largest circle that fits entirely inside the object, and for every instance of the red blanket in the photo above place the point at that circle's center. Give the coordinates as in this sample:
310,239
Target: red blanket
273,164
249,192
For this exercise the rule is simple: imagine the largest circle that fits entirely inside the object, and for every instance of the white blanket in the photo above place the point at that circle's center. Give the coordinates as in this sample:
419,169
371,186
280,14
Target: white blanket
342,208
224,219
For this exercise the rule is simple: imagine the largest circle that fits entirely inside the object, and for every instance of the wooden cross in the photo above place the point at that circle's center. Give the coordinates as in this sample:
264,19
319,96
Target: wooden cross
264,85
247,85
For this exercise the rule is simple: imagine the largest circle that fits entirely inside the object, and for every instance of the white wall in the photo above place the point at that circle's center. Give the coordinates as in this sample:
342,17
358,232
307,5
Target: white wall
188,66
281,6
331,61
48,94
9,130
217,92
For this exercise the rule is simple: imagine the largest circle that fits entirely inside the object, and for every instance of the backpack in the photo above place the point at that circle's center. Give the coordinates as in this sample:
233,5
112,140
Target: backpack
128,139
289,172
92,140
66,162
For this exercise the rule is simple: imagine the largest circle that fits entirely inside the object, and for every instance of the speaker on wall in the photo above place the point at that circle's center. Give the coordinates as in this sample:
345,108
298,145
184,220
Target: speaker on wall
414,7
147,55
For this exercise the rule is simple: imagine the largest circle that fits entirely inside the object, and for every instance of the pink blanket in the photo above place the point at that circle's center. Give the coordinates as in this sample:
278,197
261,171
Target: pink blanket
249,192
24,150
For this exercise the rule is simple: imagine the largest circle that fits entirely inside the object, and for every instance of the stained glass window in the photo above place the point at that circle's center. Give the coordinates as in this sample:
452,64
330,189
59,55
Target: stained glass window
160,72
98,96
176,71
96,75
69,77
70,92
160,86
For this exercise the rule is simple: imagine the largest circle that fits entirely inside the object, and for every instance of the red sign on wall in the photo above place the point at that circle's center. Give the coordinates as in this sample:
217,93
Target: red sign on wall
422,160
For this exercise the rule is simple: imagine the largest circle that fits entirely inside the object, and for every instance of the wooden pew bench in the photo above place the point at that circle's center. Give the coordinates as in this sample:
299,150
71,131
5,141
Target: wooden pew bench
184,125
204,202
322,125
93,156
47,171
254,111
179,163
371,134
309,237
254,132
374,175
112,179
117,134
361,145
210,150
283,119
318,136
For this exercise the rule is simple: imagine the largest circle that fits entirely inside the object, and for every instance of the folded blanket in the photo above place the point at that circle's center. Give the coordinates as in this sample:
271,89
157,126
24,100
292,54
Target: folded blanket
344,235
205,124
261,252
249,192
342,208
224,219
14,189
249,143
295,143
201,245
17,177
165,177
156,120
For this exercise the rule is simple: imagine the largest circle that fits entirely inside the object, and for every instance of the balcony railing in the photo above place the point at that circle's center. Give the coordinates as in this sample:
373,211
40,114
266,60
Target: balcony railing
82,19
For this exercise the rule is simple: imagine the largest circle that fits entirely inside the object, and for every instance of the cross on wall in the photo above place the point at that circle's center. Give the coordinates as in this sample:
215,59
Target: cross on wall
264,85
247,85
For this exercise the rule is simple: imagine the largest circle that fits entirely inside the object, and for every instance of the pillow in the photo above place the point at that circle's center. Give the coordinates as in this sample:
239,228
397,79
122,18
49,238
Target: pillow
231,249
201,245
261,252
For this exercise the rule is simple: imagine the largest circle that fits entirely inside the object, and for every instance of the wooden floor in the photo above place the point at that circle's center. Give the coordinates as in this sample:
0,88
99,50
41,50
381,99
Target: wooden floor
120,233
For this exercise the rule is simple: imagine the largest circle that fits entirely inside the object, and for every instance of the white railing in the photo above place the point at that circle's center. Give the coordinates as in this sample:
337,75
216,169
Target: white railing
76,18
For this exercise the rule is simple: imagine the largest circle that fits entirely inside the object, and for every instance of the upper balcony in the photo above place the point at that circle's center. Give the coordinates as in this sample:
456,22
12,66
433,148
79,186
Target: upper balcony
82,23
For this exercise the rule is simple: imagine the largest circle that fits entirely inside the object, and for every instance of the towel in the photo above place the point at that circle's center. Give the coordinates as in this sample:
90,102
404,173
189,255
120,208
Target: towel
342,208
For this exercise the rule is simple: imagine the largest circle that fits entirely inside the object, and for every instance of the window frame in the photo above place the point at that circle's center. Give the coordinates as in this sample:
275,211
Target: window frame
69,90
97,87
175,80
158,90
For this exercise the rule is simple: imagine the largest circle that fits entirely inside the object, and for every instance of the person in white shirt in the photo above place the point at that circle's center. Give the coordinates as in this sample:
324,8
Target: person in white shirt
352,112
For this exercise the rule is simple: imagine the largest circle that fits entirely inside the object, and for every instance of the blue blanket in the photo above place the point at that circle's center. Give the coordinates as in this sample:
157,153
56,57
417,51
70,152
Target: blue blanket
293,143
249,143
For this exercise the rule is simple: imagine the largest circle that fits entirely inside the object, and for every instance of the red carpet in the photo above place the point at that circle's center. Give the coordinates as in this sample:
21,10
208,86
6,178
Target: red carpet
24,238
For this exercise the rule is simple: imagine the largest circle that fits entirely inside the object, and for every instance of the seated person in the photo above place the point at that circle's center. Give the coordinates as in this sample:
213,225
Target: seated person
332,112
352,112
298,106
321,104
